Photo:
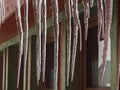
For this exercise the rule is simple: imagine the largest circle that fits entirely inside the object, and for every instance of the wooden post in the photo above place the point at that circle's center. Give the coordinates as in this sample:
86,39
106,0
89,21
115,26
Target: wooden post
118,56
29,63
60,59
114,41
3,80
27,69
5,69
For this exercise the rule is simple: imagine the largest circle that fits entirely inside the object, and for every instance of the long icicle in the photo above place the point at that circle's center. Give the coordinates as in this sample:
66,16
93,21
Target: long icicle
77,26
68,22
75,35
100,13
38,37
37,4
108,23
86,15
44,21
26,37
56,38
20,30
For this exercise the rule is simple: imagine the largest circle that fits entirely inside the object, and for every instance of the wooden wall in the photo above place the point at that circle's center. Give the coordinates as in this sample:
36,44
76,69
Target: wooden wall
9,30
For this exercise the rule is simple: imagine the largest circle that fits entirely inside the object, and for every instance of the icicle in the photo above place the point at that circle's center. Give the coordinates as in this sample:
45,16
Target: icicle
68,22
20,30
108,22
74,50
44,21
77,26
26,37
37,4
91,3
86,15
71,4
56,43
80,38
2,11
100,19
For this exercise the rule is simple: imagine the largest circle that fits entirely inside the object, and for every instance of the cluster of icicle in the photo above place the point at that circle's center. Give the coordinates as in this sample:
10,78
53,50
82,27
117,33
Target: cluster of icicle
71,11
104,10
106,18
2,11
40,16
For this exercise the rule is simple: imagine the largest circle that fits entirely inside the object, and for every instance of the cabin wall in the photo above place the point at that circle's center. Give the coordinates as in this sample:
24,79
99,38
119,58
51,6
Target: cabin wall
14,40
10,31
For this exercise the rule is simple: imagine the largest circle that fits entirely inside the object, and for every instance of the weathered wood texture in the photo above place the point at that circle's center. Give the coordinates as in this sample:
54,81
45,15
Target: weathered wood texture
9,28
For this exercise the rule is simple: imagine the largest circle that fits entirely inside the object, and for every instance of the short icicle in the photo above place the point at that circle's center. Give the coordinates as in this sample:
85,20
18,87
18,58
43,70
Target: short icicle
91,3
86,15
2,11
100,13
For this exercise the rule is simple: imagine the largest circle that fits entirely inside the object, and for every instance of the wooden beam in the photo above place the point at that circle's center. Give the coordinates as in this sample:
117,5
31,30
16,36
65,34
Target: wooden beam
9,36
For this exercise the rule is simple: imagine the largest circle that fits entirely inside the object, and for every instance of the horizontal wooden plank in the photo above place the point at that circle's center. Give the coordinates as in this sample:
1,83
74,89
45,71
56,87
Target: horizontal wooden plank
15,39
9,35
9,30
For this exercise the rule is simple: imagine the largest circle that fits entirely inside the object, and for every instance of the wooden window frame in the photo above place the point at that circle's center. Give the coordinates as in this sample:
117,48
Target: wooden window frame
5,69
27,69
50,38
92,23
